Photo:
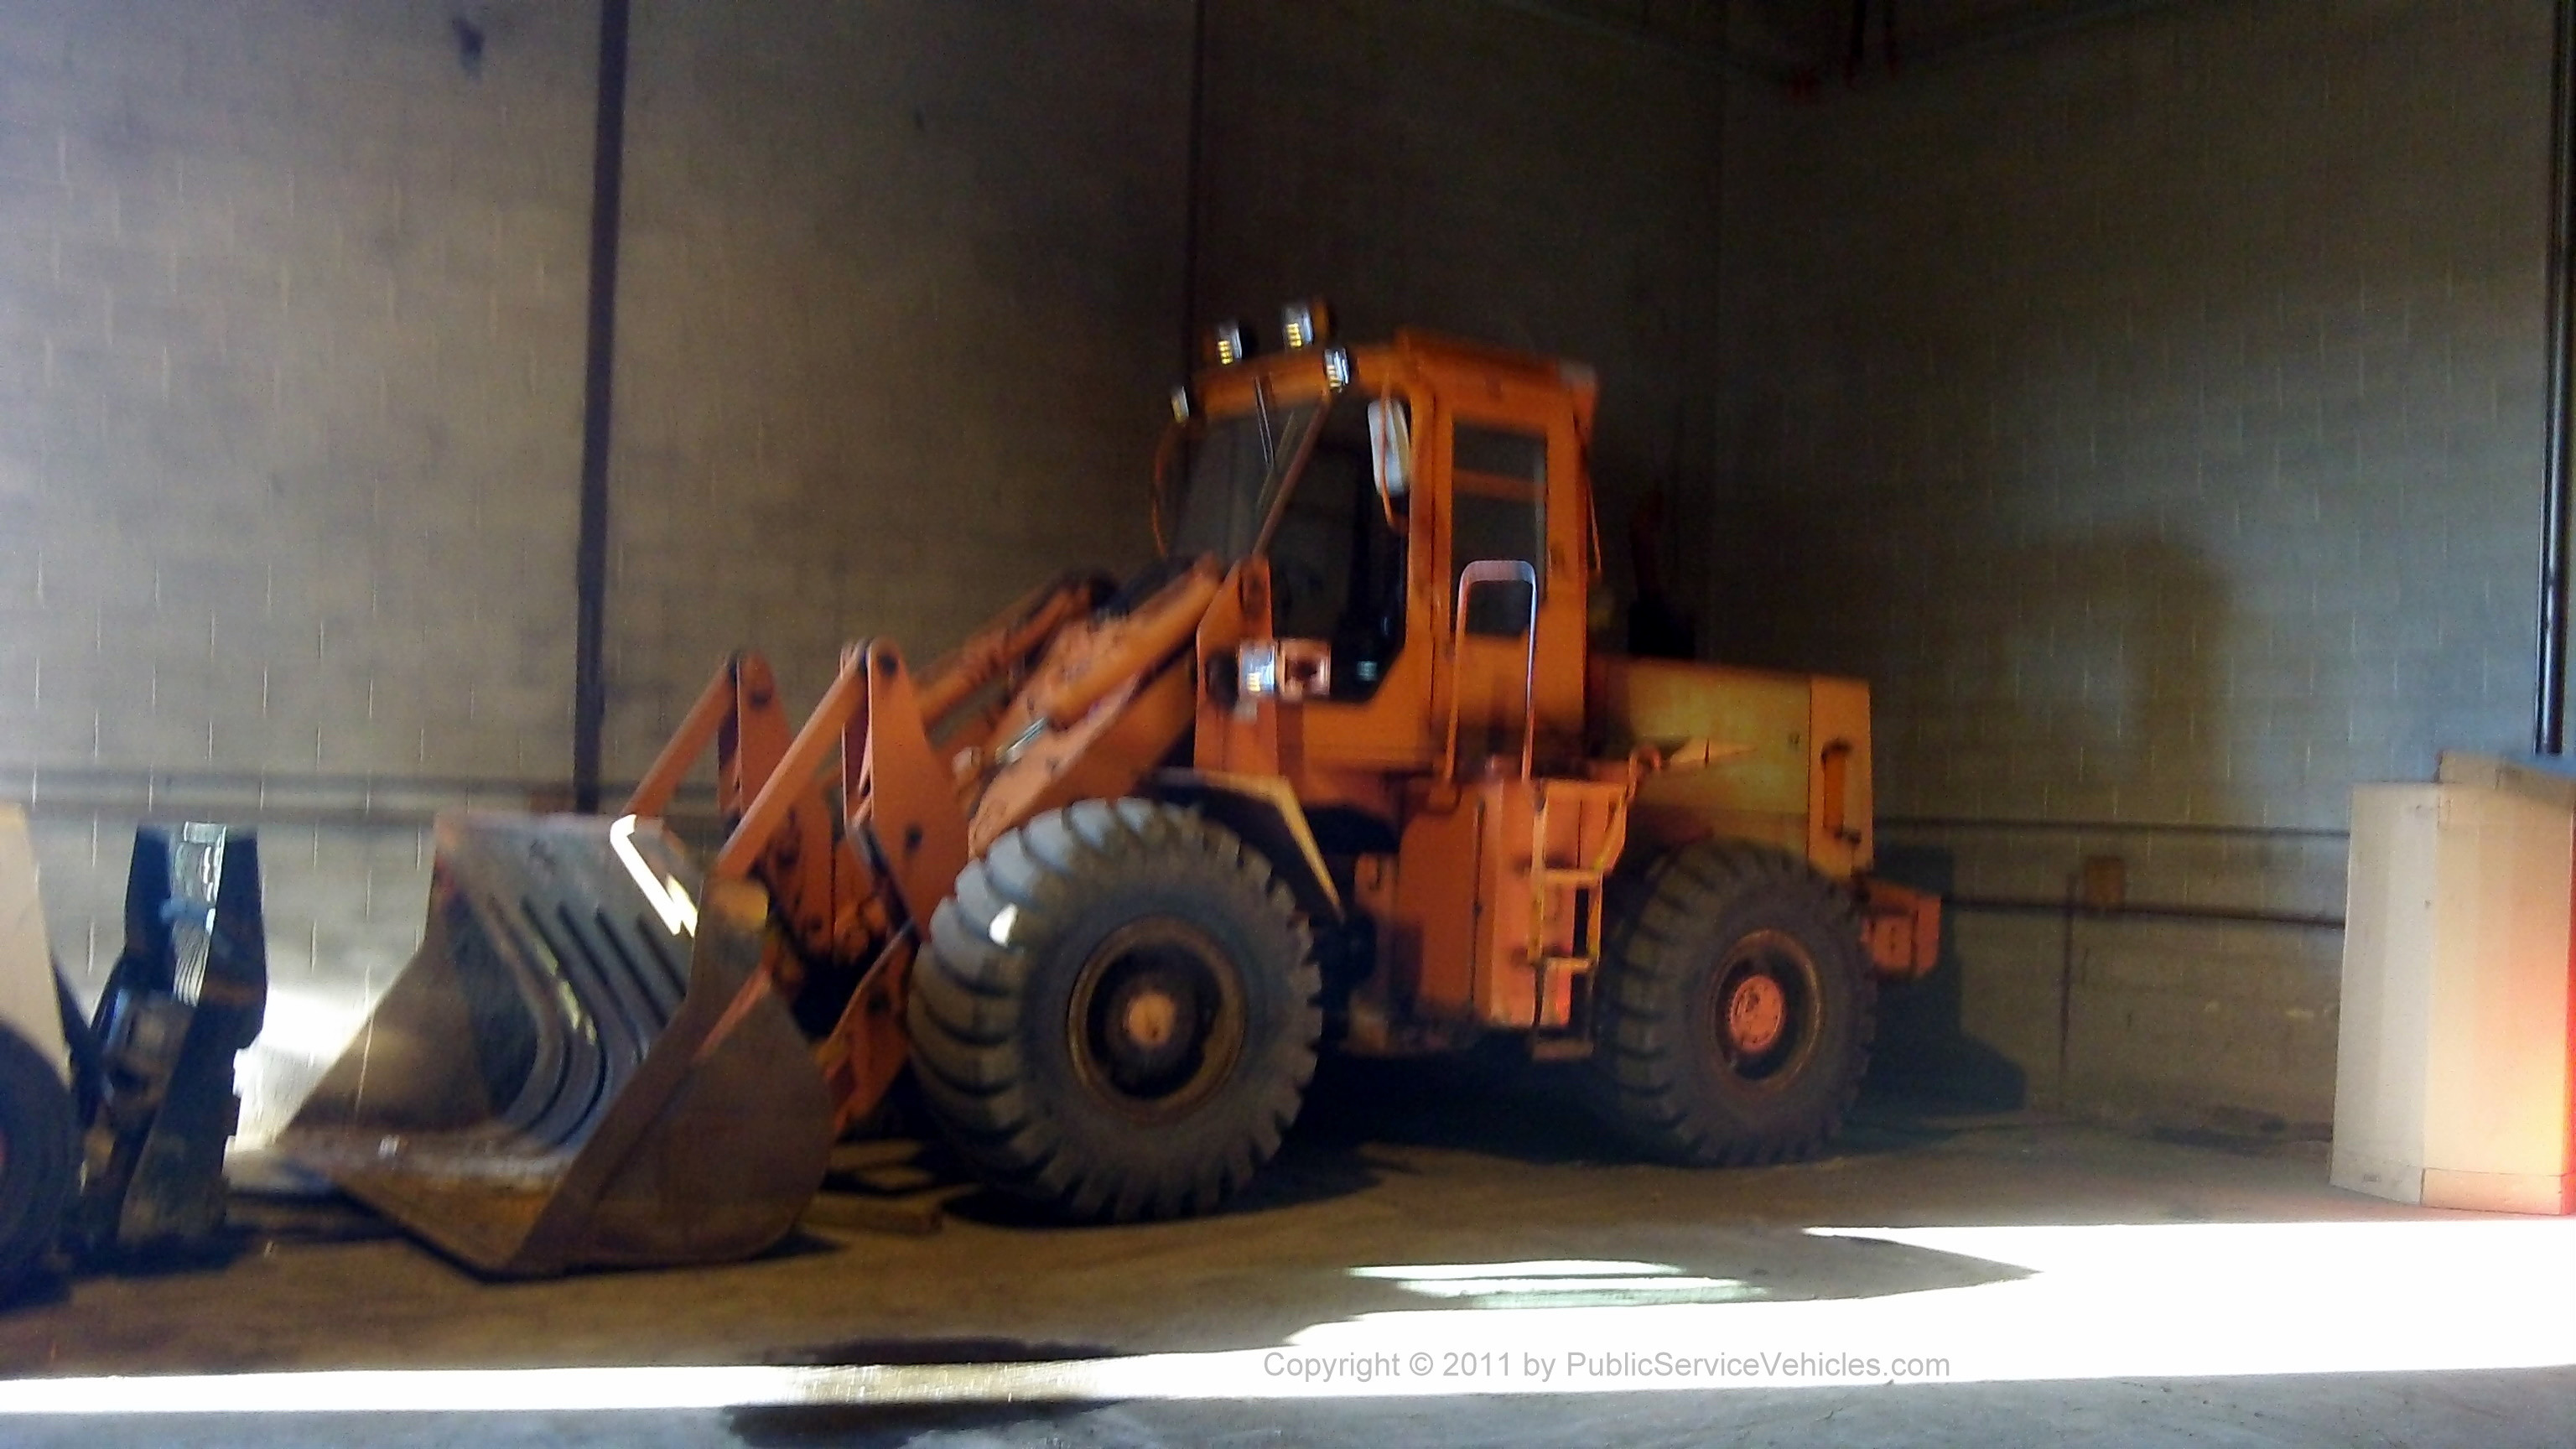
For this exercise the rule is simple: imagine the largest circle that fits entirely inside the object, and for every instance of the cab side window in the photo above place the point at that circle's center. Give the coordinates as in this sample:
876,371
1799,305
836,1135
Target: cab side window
1500,480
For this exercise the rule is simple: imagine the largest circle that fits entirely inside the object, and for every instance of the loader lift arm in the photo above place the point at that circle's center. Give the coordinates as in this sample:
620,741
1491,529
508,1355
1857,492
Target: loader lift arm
856,854
810,836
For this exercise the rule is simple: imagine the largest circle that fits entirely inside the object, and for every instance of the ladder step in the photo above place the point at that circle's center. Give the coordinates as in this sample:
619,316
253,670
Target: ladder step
1573,875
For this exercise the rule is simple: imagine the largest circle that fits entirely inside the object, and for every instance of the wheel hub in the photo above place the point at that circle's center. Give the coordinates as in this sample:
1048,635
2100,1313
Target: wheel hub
1157,1019
1756,1013
1150,1019
1762,1008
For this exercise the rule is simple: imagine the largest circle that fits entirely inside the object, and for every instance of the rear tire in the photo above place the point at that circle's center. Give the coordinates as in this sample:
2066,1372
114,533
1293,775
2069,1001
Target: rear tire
38,1143
1736,1006
1116,1017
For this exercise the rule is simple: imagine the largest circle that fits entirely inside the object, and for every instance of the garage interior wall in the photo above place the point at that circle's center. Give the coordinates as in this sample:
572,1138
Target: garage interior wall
898,313
1538,177
290,367
2154,413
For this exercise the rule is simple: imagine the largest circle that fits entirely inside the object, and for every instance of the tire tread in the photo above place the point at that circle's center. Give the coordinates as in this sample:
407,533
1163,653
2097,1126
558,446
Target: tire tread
969,994
1664,911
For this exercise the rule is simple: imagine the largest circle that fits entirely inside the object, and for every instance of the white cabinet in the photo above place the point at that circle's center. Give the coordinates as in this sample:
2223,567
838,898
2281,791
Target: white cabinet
2453,1065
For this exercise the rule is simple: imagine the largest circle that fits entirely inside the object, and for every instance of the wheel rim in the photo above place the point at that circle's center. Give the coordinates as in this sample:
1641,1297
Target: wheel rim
1156,1023
1764,1008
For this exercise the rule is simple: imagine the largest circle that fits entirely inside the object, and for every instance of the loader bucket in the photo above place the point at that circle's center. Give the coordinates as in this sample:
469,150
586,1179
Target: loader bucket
581,1067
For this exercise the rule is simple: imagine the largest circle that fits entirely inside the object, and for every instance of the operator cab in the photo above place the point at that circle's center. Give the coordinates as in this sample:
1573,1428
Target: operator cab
1409,530
1336,559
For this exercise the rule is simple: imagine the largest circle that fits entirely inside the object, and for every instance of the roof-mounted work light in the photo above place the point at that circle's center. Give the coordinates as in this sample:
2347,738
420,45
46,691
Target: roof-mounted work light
1226,345
1303,324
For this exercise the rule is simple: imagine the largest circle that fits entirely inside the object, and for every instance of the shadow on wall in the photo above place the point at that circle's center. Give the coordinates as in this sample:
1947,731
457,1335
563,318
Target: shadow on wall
2014,677
2058,678
1924,1052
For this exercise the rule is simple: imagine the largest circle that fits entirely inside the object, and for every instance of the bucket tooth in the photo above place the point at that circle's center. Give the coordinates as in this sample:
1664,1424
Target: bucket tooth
582,1066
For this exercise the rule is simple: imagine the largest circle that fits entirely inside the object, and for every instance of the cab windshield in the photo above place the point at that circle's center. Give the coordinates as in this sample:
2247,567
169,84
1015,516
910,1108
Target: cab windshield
1337,563
1237,466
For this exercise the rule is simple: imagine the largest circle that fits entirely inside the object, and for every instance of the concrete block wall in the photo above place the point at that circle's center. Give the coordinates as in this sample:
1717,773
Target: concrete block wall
899,307
2154,413
289,308
1535,180
290,301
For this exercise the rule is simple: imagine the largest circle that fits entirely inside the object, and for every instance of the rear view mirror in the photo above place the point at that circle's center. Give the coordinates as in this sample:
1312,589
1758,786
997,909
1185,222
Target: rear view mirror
1391,453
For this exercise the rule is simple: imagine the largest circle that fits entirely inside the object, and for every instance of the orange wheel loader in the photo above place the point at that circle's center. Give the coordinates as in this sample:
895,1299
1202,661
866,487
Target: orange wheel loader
1341,772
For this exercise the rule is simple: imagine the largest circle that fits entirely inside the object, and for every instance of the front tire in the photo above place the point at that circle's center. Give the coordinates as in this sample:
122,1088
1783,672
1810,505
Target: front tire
1116,1017
1736,1006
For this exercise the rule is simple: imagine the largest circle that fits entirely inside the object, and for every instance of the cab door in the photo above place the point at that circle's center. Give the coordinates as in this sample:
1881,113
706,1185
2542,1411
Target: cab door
1353,583
1511,612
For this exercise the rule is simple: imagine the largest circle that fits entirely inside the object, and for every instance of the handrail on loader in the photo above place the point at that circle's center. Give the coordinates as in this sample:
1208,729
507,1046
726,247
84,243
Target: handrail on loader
1470,578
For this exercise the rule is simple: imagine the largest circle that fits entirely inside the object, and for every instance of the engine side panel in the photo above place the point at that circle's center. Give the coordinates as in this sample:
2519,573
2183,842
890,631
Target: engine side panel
1748,753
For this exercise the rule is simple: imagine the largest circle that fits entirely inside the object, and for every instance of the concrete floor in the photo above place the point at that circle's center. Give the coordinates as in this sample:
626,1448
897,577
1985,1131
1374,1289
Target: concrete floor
2075,1286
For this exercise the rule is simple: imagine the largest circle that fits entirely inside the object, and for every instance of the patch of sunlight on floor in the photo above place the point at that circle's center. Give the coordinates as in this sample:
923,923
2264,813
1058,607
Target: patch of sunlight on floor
2098,1301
